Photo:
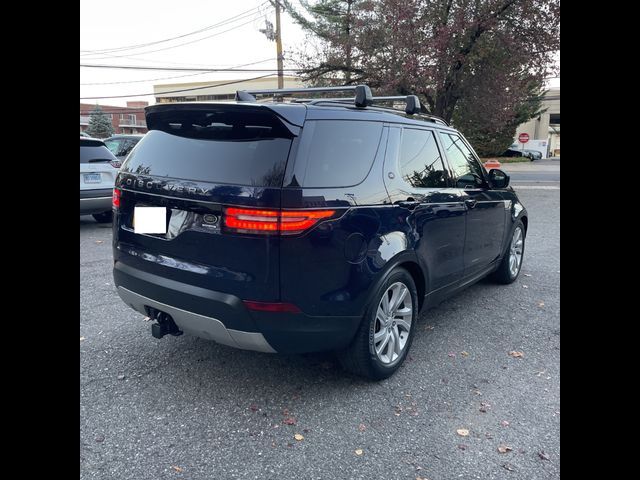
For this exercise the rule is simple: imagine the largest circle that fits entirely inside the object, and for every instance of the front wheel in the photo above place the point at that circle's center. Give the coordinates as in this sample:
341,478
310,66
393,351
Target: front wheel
386,331
511,263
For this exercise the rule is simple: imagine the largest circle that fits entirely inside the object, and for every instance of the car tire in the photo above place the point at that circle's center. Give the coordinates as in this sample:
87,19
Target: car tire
508,272
382,341
104,217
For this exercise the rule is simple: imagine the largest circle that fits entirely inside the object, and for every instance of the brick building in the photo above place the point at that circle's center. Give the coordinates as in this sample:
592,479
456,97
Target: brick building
129,119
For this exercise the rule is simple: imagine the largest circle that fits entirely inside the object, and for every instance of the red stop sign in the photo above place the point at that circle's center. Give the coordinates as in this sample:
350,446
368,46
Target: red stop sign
523,137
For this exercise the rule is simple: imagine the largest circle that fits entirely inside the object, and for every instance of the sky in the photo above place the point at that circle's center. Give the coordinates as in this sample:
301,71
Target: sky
105,29
120,23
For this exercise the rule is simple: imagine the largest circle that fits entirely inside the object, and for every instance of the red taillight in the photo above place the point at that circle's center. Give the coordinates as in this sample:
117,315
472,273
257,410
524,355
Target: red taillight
285,222
272,306
115,199
116,163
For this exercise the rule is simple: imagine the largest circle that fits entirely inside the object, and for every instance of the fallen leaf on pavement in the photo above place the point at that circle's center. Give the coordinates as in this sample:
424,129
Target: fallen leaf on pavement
504,448
508,467
525,286
462,446
359,451
121,377
527,274
253,407
543,456
516,354
504,423
452,354
464,354
99,242
81,338
541,304
362,427
298,437
289,421
484,407
463,432
177,469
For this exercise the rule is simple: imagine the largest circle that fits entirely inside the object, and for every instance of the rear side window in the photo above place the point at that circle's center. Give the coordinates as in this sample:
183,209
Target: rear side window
89,154
420,160
237,147
337,153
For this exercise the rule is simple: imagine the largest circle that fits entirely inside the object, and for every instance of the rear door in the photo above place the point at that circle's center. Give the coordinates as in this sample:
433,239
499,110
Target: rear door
197,161
418,182
97,167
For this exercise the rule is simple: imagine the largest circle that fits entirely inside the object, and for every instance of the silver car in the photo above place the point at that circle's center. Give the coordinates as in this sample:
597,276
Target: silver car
98,170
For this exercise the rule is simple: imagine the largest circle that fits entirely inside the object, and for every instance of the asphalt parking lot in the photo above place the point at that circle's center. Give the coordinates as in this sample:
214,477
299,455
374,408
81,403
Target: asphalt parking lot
185,408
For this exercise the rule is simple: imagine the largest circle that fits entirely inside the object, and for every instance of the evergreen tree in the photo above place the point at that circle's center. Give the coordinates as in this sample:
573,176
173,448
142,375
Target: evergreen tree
100,125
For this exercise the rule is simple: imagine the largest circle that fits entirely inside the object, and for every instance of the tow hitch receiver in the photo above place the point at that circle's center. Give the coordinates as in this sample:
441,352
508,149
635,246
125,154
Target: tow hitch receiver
165,324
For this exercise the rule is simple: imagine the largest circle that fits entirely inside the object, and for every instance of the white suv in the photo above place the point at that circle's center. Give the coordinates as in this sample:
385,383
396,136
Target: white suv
98,170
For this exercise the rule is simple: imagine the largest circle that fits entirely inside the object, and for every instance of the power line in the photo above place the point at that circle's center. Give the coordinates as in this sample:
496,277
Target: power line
184,69
182,90
180,44
168,78
140,45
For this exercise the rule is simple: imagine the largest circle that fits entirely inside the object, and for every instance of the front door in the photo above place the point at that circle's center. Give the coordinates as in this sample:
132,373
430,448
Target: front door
486,213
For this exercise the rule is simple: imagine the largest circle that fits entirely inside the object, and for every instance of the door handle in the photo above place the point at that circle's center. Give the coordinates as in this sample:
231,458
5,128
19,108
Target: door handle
470,203
409,204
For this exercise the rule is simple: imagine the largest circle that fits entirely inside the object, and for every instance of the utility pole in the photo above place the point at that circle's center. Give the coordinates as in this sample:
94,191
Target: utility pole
279,45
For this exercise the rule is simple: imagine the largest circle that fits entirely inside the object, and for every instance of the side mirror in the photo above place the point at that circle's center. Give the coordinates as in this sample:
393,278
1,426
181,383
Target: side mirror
498,179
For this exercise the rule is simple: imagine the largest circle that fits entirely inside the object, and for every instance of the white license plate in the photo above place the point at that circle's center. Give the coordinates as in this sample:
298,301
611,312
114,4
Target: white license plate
92,178
150,220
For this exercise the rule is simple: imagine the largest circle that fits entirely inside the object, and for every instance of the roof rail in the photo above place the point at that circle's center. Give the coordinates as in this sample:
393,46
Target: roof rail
361,100
412,102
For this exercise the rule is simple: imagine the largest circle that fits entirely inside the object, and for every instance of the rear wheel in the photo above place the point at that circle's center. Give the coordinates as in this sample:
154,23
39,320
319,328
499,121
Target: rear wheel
511,263
386,331
104,217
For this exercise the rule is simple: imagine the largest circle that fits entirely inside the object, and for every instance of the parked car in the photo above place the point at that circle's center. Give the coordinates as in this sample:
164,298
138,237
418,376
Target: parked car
530,154
534,154
121,144
98,170
308,226
84,134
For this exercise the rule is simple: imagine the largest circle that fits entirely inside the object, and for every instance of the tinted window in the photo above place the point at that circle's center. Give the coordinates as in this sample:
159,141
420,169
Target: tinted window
467,171
233,147
337,153
420,161
95,153
121,146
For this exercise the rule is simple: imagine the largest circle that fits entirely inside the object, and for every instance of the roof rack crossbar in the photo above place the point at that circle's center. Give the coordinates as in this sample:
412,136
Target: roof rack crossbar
412,101
361,100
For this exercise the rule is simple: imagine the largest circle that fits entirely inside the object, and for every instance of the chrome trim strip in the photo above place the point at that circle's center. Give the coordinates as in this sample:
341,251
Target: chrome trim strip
199,325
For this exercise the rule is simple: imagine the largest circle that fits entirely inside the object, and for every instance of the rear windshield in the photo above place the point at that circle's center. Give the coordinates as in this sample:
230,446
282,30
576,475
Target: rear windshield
234,147
337,153
95,154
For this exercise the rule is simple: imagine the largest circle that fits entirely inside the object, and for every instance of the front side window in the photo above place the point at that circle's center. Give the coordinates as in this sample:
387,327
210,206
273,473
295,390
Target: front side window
467,171
420,160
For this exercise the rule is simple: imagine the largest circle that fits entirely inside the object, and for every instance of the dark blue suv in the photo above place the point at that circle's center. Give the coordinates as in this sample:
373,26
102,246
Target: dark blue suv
318,224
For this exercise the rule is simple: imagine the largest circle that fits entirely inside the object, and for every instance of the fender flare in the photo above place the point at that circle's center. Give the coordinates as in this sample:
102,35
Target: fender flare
405,256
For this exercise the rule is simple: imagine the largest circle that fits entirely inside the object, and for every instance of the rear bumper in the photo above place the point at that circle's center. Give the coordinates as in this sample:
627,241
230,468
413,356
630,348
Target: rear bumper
95,201
224,318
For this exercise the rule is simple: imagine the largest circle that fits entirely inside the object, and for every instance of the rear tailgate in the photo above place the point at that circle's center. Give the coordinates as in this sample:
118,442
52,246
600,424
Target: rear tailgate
97,172
195,161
